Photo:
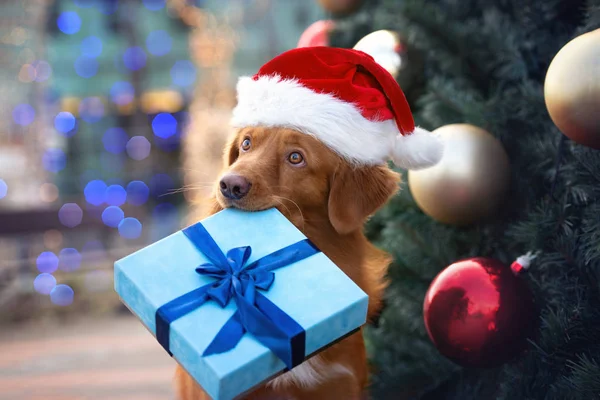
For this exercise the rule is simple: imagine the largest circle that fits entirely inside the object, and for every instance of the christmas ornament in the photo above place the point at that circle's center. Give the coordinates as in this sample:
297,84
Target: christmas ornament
572,89
316,34
340,6
479,312
470,181
386,48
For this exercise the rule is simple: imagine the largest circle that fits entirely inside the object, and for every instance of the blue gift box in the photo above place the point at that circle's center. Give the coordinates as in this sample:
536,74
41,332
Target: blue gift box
239,298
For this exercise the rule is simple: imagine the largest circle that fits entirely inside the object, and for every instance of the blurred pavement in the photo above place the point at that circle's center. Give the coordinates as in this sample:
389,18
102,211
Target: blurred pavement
88,359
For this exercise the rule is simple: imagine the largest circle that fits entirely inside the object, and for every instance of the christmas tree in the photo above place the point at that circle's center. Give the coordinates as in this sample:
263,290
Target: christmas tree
484,63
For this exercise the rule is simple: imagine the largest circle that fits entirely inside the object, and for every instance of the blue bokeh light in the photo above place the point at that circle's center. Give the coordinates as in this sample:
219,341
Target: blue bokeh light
163,210
122,93
43,70
69,259
164,125
137,193
112,216
70,215
138,148
116,195
134,58
154,5
54,160
23,114
161,184
86,67
130,228
47,262
3,189
91,46
62,295
44,283
183,73
158,43
115,140
95,192
91,109
65,122
69,22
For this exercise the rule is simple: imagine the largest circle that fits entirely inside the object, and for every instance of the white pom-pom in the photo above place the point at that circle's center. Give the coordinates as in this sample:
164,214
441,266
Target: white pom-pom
526,259
421,149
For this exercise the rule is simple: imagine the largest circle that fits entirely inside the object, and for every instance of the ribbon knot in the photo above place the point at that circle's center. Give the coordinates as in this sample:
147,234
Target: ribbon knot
236,279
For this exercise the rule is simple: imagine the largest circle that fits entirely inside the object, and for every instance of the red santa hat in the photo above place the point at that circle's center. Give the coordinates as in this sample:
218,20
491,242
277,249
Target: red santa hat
344,99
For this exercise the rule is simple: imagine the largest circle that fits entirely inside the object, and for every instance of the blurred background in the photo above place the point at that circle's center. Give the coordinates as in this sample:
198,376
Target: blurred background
113,114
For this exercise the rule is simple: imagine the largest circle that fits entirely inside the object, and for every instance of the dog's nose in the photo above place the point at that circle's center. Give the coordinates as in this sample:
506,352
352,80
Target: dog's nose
234,186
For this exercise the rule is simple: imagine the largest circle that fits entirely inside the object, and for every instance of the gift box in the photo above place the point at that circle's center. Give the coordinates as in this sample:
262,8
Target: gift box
239,298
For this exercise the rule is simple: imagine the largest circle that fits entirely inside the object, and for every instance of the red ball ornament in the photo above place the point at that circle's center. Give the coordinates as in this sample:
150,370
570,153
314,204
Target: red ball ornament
316,34
479,313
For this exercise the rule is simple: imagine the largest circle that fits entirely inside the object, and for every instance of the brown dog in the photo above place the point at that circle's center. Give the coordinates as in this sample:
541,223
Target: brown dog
328,200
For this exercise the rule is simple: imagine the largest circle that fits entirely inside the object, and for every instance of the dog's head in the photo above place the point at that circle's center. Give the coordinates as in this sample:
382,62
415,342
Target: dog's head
302,178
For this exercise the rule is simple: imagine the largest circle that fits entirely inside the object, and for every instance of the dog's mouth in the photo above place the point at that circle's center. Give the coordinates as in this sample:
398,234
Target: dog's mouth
244,204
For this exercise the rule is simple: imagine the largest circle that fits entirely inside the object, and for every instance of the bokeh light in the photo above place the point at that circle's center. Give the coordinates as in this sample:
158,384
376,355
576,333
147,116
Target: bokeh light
164,125
70,215
86,67
115,140
69,22
44,283
54,160
91,46
3,189
130,228
91,109
134,58
163,210
53,239
158,43
43,70
154,5
137,193
27,73
65,122
69,259
138,148
47,262
116,195
23,114
161,184
48,192
122,93
183,73
95,192
62,295
112,216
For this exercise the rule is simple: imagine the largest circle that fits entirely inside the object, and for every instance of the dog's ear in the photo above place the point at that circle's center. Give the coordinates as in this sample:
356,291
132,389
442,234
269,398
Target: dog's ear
357,192
232,149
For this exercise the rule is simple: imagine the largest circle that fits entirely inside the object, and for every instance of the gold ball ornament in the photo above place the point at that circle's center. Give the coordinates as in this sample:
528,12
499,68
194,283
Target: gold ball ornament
470,181
386,48
572,89
340,7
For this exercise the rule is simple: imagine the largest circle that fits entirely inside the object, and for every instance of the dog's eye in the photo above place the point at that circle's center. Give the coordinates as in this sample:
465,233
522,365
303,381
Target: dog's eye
246,144
295,158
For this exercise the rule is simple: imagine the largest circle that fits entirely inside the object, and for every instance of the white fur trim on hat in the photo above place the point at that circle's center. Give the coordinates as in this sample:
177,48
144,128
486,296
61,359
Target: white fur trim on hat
272,101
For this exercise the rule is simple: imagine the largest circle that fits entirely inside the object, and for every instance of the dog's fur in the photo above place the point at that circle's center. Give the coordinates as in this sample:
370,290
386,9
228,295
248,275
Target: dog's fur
328,200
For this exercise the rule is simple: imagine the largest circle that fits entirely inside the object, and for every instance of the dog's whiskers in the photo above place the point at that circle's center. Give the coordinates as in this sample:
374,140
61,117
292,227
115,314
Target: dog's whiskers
277,198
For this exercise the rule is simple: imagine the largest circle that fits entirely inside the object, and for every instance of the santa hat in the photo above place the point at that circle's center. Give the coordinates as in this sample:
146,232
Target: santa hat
344,99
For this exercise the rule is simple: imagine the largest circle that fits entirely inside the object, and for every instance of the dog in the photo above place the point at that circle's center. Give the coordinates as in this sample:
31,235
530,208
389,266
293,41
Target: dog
329,200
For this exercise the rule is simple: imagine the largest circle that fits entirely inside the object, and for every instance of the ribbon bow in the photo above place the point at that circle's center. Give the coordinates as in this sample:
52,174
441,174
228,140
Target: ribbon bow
239,281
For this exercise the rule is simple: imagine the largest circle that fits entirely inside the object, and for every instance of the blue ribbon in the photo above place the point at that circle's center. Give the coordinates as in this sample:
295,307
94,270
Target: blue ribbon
239,281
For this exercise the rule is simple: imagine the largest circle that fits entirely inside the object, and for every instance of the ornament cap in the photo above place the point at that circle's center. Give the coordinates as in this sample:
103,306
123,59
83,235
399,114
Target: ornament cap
522,263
